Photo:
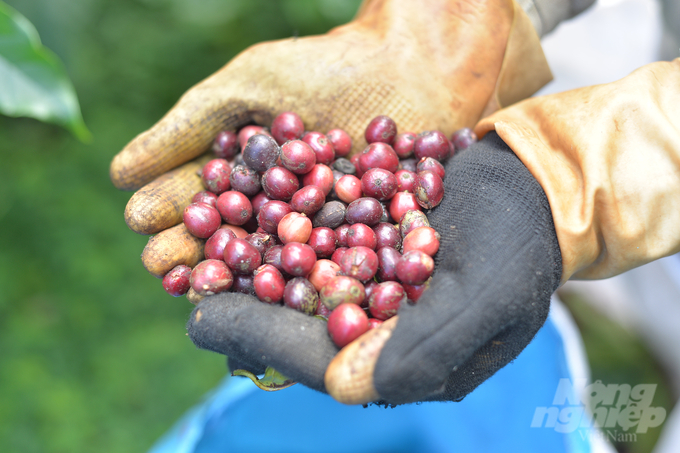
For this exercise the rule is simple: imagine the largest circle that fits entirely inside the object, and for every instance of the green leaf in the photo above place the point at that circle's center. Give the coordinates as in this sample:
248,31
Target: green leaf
271,381
33,82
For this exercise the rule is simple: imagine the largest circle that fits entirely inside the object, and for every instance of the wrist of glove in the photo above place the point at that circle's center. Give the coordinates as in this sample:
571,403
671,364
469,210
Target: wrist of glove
498,264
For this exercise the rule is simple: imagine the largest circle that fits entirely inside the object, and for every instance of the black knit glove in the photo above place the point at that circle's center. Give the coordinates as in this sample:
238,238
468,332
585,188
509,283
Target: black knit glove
497,266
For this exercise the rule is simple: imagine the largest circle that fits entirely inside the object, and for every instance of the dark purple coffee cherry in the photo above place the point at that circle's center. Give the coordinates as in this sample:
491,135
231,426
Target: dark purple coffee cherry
387,235
301,295
463,138
261,152
365,210
245,180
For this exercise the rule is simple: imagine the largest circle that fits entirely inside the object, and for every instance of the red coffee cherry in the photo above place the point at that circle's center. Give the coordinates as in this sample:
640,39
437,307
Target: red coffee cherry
258,201
387,235
226,145
298,157
176,282
269,284
423,238
402,202
211,277
414,292
381,129
338,254
323,241
387,264
348,188
322,272
279,183
403,144
347,323
206,197
360,263
214,246
377,155
273,256
287,126
406,180
297,259
379,183
359,234
364,210
241,256
323,149
429,189
320,176
215,176
308,200
386,299
342,290
430,164
415,267
374,322
201,219
432,144
341,141
234,207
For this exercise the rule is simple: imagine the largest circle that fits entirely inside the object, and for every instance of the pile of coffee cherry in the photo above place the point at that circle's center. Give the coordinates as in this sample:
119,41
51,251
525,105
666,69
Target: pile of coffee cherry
289,219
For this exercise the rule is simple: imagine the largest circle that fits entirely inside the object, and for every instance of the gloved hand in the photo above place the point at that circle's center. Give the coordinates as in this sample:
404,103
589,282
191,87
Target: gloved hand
439,64
498,264
607,158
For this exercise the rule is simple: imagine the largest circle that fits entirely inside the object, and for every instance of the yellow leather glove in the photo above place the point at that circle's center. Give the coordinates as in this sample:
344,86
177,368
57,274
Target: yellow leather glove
439,64
608,159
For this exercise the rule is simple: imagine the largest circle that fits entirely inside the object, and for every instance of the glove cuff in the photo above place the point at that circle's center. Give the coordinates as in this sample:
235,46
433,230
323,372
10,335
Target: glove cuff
608,158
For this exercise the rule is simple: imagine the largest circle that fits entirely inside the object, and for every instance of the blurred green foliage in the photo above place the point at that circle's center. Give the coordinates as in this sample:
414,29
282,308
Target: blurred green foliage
94,353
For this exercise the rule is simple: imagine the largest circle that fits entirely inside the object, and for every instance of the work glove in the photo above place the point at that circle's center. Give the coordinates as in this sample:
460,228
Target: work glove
497,266
440,64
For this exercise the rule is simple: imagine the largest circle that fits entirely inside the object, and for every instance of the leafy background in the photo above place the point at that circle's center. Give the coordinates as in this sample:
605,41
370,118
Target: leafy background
93,353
